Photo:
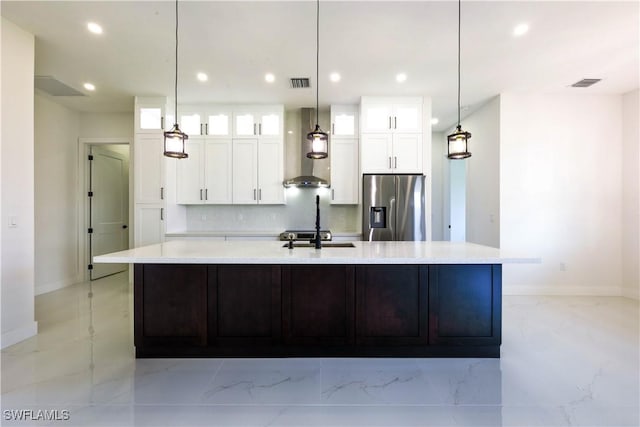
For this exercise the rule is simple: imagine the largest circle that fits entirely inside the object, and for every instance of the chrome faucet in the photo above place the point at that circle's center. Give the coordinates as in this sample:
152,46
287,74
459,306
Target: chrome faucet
318,238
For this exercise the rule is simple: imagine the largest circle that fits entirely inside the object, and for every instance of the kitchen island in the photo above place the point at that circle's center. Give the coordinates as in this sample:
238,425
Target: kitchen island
261,299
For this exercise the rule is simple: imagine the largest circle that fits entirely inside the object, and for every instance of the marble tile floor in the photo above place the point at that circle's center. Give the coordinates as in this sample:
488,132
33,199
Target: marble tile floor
566,361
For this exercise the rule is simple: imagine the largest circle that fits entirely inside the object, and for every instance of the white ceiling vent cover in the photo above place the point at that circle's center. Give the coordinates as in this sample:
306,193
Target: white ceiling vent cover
585,82
54,87
299,82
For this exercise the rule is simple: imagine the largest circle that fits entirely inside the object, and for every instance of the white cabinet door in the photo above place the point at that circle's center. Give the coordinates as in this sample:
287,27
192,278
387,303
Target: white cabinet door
376,118
407,117
245,171
407,153
190,120
149,117
270,171
218,122
270,124
149,223
344,171
245,124
344,120
376,153
190,175
149,168
217,165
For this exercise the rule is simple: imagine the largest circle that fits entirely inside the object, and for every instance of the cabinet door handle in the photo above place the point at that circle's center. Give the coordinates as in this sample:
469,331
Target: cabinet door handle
333,194
395,160
161,193
200,128
201,194
206,128
254,128
260,194
389,162
259,128
206,194
389,122
162,123
333,128
161,214
395,122
254,194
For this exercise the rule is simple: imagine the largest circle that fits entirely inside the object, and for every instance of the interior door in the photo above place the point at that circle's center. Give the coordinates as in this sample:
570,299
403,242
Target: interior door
109,209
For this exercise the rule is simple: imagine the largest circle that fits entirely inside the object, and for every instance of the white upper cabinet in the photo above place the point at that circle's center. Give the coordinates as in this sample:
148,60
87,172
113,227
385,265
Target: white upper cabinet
149,169
391,135
344,121
390,115
201,121
205,176
149,115
344,171
258,121
258,171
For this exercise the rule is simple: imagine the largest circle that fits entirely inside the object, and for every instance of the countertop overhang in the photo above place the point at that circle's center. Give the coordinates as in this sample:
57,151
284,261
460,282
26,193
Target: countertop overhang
267,252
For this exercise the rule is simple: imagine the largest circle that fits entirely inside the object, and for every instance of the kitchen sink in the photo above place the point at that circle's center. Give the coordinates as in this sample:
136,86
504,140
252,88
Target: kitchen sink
324,245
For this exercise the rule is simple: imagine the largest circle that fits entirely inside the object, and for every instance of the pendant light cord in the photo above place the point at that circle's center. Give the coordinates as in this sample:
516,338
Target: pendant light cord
176,81
317,59
459,1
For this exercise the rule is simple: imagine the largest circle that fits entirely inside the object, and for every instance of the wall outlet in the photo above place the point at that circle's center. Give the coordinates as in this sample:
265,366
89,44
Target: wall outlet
563,266
13,221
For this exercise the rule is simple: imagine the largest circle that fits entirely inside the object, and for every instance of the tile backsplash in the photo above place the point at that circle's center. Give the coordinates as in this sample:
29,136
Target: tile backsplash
298,213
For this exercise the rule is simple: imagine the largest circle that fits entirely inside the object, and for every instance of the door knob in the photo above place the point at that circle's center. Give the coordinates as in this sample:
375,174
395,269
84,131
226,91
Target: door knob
125,226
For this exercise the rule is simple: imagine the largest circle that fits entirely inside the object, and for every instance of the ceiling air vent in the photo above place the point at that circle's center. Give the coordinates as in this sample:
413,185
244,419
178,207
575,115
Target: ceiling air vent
299,82
54,87
585,82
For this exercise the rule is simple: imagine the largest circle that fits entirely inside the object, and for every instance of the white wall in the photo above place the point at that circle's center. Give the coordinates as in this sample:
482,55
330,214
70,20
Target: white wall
56,198
631,195
106,125
438,194
17,145
560,163
483,175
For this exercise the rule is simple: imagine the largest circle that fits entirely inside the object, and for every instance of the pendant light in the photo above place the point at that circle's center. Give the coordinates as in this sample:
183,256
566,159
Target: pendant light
458,141
174,139
319,139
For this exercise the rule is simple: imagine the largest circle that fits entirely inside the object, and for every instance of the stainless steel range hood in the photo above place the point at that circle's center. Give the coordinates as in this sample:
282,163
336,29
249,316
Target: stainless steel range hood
306,179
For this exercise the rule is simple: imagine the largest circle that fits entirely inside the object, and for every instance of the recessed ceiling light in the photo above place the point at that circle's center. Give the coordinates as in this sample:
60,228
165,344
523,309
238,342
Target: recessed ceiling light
401,77
94,28
520,29
89,86
269,78
335,77
435,121
202,77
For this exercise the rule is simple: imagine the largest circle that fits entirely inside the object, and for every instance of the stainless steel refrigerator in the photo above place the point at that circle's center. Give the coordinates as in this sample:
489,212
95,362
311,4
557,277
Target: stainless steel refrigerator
393,207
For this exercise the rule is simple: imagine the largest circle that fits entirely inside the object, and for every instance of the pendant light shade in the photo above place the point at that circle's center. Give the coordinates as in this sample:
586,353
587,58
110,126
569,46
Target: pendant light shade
174,139
458,144
458,141
319,144
318,138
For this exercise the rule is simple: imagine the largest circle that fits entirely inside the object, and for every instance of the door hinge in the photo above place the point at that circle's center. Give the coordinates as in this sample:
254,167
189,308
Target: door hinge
90,194
90,266
90,157
90,230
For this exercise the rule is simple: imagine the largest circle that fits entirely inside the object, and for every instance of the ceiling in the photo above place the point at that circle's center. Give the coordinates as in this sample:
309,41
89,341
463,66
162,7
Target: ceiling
367,42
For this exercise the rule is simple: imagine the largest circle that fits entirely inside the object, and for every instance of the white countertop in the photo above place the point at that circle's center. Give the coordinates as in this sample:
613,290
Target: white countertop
267,252
269,233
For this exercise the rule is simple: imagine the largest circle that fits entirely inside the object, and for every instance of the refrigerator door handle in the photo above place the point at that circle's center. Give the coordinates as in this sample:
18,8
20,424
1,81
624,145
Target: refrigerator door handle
392,218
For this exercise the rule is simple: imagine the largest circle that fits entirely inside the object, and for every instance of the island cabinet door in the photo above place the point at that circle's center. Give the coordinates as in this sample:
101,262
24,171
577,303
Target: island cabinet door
170,306
465,304
318,304
244,305
391,305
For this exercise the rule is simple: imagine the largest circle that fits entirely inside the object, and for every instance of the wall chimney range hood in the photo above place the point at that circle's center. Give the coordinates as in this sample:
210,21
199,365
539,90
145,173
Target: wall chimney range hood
306,179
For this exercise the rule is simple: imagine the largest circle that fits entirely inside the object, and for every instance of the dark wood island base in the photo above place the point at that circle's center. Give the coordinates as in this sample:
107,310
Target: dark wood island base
314,310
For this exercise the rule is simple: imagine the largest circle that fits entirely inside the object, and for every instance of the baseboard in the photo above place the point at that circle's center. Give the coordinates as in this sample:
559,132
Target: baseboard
15,336
54,286
633,293
602,291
